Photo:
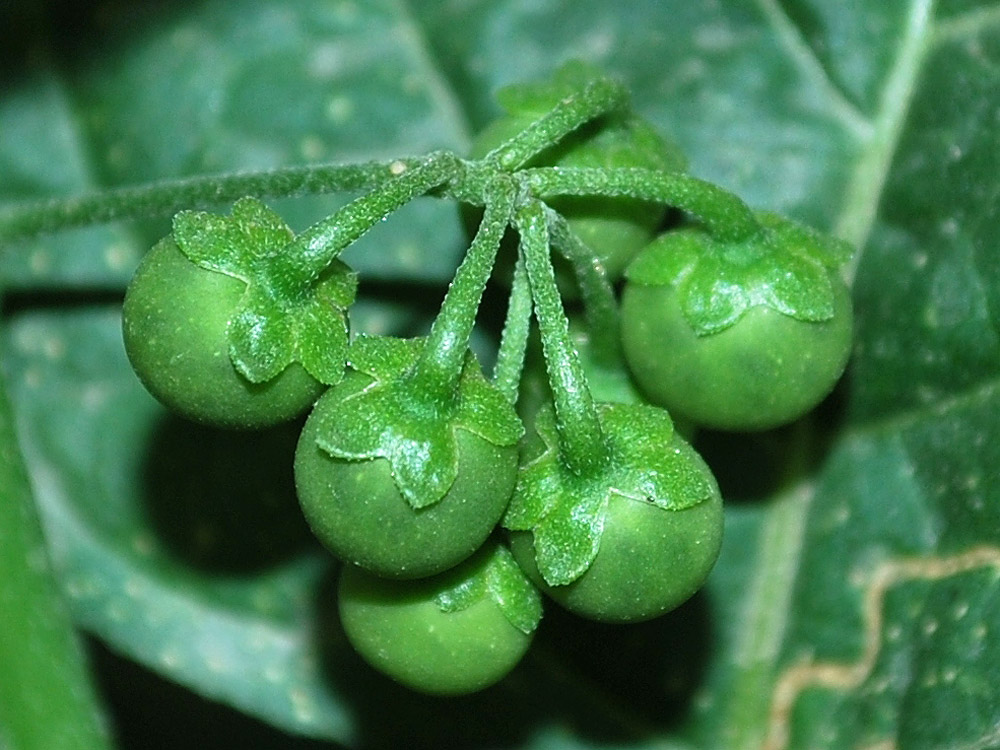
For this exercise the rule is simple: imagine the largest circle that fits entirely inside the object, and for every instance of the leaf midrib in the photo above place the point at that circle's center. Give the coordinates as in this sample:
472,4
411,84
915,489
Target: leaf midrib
777,563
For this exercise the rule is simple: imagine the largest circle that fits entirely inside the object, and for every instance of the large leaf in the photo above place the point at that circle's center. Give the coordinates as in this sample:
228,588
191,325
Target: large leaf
855,606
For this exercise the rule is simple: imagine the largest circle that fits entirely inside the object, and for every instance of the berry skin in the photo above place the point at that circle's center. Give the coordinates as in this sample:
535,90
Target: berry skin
763,371
402,630
358,512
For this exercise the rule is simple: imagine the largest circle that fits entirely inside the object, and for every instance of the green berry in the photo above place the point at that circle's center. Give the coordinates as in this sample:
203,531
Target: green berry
174,321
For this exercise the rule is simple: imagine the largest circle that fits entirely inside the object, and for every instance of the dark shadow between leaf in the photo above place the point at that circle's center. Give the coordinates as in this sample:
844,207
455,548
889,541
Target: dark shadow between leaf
754,466
148,712
624,683
224,501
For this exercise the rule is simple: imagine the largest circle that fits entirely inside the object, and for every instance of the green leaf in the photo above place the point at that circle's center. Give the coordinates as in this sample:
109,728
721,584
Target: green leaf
854,605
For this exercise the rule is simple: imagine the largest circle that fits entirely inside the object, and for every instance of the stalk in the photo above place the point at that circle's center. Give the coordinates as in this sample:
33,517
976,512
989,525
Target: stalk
597,98
47,699
514,339
599,305
313,250
170,196
440,365
724,215
581,440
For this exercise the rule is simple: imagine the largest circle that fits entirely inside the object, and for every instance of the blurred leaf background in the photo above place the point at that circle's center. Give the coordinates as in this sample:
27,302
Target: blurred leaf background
855,606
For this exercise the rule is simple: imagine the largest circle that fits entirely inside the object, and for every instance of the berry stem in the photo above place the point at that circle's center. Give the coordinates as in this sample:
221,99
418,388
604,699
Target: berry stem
47,699
309,254
581,441
170,196
599,305
724,215
599,97
514,339
440,365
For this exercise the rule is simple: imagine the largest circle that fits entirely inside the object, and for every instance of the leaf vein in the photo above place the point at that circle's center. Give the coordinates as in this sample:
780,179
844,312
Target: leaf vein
441,90
872,168
805,59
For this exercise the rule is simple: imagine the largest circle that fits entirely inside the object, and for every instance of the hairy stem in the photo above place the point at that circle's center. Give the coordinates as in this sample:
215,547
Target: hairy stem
314,249
168,197
46,696
599,97
443,358
724,215
514,339
581,441
599,305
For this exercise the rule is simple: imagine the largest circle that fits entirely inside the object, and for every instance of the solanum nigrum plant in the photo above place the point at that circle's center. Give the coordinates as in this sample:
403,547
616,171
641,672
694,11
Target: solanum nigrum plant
453,633
412,457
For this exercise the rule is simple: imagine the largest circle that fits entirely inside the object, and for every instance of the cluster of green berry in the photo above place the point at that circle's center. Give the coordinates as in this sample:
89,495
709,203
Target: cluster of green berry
412,460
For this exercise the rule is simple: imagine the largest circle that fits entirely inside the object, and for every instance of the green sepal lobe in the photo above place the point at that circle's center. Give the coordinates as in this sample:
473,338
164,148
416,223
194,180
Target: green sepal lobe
566,512
396,418
785,266
502,580
272,327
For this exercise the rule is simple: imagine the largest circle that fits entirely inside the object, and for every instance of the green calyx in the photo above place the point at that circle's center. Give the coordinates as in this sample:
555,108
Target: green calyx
413,427
294,309
566,511
423,391
500,580
784,266
273,327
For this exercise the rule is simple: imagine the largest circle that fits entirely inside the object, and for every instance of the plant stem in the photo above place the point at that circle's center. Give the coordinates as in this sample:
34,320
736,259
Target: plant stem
309,254
599,97
440,365
46,696
581,441
514,339
725,216
599,305
168,197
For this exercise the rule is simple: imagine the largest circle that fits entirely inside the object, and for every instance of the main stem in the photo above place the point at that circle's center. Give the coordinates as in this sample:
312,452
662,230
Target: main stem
724,215
170,196
46,696
440,365
581,440
599,97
